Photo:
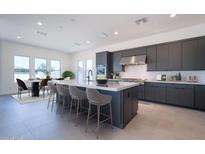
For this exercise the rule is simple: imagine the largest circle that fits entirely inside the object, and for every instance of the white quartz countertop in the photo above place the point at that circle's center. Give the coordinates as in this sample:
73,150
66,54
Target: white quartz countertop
177,82
110,86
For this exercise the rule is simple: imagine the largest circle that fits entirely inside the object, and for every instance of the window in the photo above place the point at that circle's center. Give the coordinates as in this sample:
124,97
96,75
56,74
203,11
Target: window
40,68
80,70
89,66
55,69
21,68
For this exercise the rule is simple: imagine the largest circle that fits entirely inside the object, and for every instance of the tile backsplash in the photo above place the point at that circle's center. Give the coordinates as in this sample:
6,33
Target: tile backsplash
140,71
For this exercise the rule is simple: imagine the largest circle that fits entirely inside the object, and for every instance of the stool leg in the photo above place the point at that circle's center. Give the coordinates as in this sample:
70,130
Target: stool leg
63,105
52,95
78,103
49,99
71,105
88,116
58,103
98,120
110,114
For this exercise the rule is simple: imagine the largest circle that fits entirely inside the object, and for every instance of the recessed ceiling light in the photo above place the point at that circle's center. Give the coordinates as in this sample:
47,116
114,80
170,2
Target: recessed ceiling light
88,42
172,15
116,33
39,23
18,37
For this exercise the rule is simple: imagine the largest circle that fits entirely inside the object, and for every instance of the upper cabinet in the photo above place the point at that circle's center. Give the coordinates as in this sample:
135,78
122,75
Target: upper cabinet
162,57
189,50
134,52
151,58
116,57
169,56
104,58
175,56
193,54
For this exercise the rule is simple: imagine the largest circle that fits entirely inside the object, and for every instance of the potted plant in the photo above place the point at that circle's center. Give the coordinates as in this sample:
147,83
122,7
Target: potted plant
68,75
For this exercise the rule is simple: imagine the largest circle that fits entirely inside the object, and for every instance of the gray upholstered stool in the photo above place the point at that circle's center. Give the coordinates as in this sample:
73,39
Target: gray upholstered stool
64,93
78,96
52,94
98,99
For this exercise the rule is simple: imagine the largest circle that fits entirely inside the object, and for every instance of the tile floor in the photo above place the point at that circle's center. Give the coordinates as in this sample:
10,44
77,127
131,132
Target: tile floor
154,121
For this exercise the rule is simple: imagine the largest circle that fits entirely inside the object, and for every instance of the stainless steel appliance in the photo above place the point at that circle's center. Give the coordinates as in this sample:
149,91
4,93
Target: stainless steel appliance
133,60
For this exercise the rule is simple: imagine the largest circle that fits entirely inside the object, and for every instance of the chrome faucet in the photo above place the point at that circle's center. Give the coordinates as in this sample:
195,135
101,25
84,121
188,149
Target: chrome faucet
90,73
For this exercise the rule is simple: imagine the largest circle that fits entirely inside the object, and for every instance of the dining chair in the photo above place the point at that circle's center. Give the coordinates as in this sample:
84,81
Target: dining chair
22,87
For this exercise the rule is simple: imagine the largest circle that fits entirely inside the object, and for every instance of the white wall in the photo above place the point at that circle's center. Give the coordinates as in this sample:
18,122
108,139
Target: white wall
140,71
10,49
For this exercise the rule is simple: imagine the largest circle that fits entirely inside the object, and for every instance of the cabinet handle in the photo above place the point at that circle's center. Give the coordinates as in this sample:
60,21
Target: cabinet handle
128,95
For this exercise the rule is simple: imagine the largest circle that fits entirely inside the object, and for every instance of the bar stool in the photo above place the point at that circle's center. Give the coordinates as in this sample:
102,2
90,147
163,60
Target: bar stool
62,91
79,96
52,94
98,99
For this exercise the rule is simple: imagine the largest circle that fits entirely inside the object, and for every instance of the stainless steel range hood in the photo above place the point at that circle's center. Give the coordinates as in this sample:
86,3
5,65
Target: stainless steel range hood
133,60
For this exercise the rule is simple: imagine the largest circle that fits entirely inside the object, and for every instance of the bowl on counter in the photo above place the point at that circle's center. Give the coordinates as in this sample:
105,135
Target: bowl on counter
101,81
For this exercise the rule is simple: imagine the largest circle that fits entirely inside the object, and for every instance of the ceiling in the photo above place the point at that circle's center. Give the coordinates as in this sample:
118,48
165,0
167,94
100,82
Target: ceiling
71,33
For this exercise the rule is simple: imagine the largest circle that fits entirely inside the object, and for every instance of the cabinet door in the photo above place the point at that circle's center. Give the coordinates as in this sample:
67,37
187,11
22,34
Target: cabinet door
134,97
189,60
127,105
160,92
162,57
116,62
149,92
175,56
134,52
186,96
200,54
141,92
200,97
151,58
172,94
101,58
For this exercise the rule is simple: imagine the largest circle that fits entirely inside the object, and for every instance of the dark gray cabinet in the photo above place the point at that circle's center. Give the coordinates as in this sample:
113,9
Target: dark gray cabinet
182,95
130,100
151,58
116,57
134,52
200,97
155,92
189,49
193,54
200,54
104,58
162,57
175,56
141,91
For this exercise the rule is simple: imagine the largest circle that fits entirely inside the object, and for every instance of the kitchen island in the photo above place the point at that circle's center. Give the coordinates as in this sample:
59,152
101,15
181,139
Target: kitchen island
124,98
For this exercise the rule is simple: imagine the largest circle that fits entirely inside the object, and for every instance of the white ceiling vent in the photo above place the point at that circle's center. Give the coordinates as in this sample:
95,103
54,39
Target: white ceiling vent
41,33
103,35
141,21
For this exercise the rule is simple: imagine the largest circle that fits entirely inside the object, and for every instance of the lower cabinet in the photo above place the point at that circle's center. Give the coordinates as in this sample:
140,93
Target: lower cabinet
130,100
155,92
182,95
200,97
141,92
